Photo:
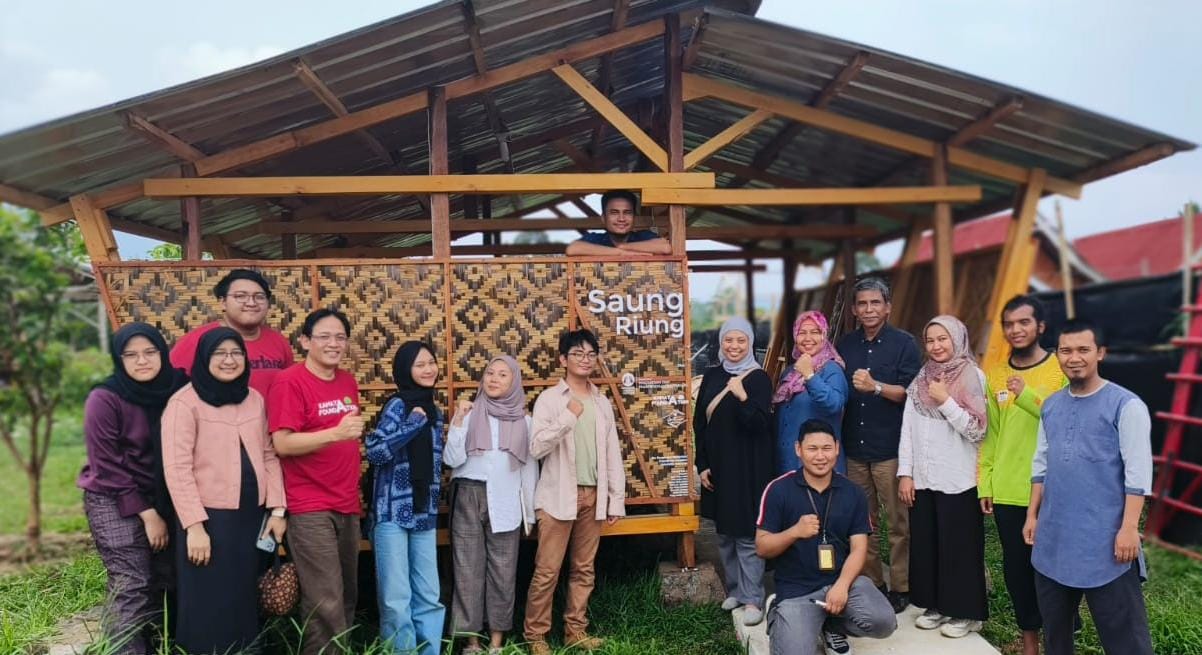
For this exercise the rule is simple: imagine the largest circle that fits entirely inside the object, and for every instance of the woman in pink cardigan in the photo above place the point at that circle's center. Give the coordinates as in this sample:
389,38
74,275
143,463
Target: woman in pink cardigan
223,477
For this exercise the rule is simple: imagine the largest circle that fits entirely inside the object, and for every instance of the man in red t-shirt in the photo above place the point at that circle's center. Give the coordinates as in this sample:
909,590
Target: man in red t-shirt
313,416
245,297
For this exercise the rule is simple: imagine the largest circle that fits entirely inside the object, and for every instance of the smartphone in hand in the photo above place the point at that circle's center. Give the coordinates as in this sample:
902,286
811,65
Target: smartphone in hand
266,541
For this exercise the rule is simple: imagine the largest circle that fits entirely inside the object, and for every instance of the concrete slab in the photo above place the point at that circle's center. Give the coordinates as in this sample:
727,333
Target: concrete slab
908,640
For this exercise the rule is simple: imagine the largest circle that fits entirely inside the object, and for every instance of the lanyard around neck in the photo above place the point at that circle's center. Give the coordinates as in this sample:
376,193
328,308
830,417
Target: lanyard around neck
822,517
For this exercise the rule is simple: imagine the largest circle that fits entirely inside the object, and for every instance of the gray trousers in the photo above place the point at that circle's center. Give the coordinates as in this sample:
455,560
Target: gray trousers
485,564
795,625
742,569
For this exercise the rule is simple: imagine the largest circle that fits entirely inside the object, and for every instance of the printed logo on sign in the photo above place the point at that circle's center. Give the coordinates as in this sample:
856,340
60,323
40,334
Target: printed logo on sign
335,407
627,381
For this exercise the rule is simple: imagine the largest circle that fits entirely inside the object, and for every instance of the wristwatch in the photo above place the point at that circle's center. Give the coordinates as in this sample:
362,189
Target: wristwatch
278,512
877,389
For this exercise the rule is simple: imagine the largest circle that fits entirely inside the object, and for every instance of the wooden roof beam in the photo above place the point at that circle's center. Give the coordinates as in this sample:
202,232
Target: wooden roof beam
576,183
1135,159
162,138
292,140
613,114
317,87
605,80
27,199
771,150
495,122
736,131
697,87
519,250
803,197
986,122
693,50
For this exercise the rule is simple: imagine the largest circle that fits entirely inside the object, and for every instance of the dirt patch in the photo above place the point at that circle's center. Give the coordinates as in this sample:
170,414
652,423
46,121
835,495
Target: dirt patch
56,548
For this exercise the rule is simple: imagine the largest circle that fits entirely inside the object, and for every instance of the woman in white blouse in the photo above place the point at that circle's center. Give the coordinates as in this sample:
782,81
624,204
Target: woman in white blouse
942,428
492,496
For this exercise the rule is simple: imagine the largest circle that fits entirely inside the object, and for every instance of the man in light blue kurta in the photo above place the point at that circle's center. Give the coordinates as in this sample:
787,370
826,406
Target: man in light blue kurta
1092,470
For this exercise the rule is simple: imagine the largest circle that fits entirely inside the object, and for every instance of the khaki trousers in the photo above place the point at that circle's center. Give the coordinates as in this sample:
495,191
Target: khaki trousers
879,482
578,539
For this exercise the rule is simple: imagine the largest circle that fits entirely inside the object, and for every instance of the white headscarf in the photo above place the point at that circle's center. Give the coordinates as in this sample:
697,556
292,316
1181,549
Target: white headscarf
738,324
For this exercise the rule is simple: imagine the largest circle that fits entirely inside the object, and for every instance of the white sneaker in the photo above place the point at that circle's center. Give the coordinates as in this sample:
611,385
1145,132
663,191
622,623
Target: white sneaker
956,628
752,615
835,643
730,603
930,620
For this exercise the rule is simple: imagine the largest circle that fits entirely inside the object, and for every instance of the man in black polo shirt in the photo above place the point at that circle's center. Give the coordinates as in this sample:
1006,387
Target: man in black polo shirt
619,209
881,362
814,523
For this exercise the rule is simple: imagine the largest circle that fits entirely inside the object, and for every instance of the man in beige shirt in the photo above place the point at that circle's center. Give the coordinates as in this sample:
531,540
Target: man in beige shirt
582,483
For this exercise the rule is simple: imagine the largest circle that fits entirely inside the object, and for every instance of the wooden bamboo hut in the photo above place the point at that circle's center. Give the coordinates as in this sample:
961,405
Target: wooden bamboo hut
346,169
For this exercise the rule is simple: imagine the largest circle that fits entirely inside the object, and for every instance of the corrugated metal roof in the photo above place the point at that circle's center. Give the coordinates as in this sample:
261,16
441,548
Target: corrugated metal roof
94,150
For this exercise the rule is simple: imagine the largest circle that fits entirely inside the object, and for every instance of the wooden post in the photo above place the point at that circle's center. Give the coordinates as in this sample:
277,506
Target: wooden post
849,282
440,203
1066,270
904,279
1014,270
189,211
945,300
674,110
287,241
95,229
749,280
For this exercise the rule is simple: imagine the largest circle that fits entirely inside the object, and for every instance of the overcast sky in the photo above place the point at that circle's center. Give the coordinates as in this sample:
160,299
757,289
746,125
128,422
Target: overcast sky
1135,61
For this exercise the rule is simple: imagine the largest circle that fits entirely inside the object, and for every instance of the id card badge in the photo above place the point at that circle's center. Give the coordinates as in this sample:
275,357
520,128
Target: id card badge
1003,396
826,557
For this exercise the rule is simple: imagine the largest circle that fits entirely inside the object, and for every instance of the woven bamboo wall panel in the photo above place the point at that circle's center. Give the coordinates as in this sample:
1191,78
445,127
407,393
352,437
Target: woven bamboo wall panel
387,305
515,307
179,299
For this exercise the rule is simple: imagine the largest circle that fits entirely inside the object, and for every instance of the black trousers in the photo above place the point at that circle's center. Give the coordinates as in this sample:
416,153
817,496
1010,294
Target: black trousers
1118,613
947,554
1016,565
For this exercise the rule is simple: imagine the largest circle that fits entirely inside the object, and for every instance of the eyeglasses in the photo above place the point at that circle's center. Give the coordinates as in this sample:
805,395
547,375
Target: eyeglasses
583,355
244,297
221,355
327,338
131,356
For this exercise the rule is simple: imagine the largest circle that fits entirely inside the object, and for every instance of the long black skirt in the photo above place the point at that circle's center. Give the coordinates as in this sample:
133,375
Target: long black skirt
217,604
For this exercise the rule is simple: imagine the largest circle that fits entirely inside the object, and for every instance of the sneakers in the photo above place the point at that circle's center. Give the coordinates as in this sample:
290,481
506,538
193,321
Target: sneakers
539,647
956,628
583,641
731,603
495,650
930,620
752,615
835,643
899,600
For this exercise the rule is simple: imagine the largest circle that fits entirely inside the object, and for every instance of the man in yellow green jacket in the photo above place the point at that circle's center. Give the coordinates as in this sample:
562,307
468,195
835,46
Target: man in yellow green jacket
1016,391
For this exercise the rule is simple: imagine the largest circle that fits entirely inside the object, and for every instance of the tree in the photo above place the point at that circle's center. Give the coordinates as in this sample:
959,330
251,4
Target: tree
166,252
867,262
38,370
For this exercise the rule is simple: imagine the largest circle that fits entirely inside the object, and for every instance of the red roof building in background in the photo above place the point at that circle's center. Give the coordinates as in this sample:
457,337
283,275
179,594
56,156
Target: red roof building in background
1145,250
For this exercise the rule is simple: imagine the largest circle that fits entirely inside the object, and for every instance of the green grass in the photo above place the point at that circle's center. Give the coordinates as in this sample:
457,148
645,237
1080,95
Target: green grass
34,602
62,501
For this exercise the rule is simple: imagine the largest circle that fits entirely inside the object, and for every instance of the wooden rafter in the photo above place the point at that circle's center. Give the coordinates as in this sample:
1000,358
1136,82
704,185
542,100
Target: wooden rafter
698,87
693,50
789,133
317,87
724,138
605,78
294,139
1141,157
614,115
495,121
162,138
575,183
802,197
582,161
27,199
987,121
96,230
519,250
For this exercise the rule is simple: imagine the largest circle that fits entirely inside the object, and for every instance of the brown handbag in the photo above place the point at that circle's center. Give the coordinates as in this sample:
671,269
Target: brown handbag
279,588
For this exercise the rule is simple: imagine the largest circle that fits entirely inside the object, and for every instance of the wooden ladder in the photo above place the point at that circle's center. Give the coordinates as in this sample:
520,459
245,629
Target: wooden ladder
1164,505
